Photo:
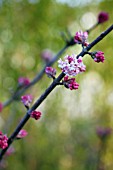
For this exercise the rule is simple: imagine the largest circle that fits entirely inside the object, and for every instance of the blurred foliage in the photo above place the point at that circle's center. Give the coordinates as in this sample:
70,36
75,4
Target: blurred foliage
65,138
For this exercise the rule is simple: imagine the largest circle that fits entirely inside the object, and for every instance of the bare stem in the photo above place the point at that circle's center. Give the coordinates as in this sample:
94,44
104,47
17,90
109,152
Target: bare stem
93,27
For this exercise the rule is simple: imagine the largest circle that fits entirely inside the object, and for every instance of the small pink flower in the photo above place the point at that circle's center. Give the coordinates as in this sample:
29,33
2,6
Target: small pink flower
70,83
23,81
26,100
47,55
36,114
81,38
99,57
71,66
103,132
1,107
22,134
103,17
3,140
50,71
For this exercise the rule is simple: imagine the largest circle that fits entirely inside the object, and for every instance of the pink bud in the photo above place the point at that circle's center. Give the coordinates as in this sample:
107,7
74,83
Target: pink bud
81,38
36,115
99,57
22,134
3,141
23,81
27,99
70,83
103,17
51,72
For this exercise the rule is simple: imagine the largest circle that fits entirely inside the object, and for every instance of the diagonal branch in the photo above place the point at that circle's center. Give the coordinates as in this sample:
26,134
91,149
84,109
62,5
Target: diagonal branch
48,91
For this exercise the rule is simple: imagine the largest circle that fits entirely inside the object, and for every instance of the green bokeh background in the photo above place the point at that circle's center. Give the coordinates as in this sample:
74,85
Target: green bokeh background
65,137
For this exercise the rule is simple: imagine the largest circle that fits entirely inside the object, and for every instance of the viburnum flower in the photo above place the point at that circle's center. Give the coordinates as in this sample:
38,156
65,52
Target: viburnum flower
47,55
103,17
98,56
23,81
70,83
103,132
22,134
71,66
3,140
1,107
81,38
36,114
26,100
50,71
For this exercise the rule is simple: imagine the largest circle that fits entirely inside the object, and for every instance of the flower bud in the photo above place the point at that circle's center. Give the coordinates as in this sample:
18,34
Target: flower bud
26,100
50,71
23,81
22,134
3,141
98,56
36,114
70,83
81,38
103,17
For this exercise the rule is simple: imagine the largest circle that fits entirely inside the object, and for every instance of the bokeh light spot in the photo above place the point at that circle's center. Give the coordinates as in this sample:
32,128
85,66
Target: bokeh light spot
88,20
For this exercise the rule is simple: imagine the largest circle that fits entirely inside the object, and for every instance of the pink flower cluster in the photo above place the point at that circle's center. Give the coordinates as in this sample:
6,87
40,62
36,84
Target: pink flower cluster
26,100
3,140
1,107
36,114
81,38
71,66
99,57
23,81
103,132
70,83
22,134
103,17
50,71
